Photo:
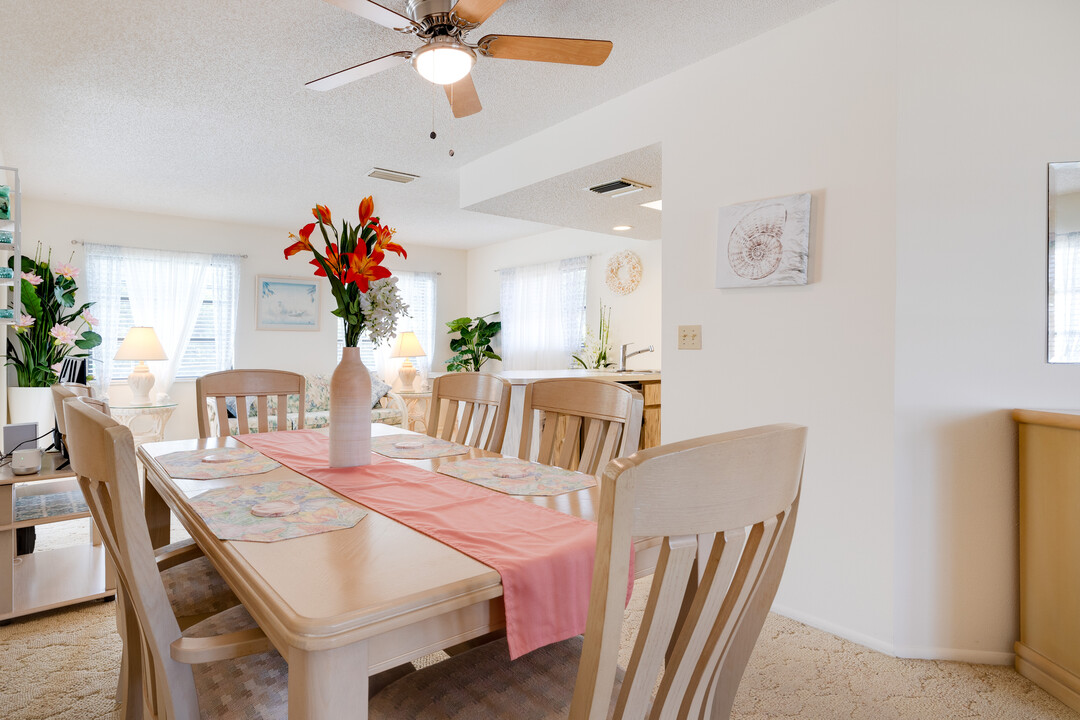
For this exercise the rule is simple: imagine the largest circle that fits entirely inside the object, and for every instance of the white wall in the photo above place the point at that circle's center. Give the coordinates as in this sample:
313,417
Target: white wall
56,224
808,107
635,318
987,100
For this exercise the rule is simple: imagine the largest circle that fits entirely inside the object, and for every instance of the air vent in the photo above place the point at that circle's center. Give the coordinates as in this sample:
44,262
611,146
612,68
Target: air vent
392,175
615,188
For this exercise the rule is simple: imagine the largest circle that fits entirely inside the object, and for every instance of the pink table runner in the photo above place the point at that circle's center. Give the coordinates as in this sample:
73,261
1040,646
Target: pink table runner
545,557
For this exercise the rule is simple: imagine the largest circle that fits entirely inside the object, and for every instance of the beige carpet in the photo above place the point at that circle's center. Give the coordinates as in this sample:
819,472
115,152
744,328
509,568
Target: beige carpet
63,665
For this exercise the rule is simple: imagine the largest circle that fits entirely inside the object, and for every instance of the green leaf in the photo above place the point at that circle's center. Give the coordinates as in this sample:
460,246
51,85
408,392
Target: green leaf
89,340
30,301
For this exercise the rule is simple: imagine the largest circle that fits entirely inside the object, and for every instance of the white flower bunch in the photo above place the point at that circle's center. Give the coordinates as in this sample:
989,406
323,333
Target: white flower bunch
381,307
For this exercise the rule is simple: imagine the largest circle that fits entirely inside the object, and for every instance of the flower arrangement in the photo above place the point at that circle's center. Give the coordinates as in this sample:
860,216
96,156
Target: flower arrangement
50,327
594,352
367,295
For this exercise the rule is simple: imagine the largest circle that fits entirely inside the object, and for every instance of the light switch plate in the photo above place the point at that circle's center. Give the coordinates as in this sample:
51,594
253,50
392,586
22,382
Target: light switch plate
689,337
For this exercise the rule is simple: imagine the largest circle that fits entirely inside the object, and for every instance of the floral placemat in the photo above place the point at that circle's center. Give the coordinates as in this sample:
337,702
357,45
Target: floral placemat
228,511
213,463
517,477
408,446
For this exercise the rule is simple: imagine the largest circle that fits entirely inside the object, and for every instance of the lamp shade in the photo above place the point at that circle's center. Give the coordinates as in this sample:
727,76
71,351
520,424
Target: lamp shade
407,345
141,343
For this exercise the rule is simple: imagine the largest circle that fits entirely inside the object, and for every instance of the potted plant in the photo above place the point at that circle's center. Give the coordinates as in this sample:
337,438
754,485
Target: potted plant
594,352
367,300
49,328
473,343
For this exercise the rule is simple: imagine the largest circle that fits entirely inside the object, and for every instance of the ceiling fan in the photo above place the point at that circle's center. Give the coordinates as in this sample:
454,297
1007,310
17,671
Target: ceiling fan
446,58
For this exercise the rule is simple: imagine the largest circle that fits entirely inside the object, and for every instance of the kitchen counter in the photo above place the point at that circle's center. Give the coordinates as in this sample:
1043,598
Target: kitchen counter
524,377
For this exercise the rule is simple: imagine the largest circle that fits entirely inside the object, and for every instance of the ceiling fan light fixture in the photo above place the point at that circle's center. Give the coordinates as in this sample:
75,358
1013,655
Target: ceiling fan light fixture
443,60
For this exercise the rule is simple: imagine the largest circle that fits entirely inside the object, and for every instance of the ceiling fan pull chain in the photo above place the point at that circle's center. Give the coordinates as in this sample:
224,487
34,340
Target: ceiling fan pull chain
451,122
433,136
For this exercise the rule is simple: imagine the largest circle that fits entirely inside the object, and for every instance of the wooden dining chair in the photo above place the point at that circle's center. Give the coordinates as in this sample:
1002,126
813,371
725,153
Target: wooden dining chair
191,672
473,408
239,385
583,423
60,393
725,506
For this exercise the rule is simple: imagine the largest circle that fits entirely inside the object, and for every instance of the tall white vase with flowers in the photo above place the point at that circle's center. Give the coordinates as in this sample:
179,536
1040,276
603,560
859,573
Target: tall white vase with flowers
368,301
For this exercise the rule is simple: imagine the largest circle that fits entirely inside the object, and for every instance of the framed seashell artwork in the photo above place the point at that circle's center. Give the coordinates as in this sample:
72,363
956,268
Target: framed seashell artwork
766,242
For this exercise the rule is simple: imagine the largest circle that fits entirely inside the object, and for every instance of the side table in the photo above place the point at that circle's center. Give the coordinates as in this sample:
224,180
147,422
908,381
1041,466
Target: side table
47,579
146,422
417,402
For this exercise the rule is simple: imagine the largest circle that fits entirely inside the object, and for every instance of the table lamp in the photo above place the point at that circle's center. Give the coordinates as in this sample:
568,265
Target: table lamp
407,346
141,344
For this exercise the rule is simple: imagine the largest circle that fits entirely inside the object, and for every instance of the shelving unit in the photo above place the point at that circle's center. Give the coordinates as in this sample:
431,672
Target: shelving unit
47,579
11,301
9,310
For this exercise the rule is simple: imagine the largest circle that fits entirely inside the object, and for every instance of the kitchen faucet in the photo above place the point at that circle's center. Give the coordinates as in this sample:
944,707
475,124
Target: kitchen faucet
623,355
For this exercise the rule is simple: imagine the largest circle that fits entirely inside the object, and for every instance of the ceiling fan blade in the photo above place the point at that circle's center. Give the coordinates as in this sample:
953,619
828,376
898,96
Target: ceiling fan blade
362,70
375,12
545,49
476,11
463,98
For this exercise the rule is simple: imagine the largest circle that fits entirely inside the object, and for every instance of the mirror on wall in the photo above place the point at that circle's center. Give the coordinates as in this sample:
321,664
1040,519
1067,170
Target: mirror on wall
1063,224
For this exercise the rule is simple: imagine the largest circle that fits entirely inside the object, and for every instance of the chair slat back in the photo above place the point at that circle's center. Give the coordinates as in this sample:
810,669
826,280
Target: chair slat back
725,506
473,408
60,393
240,385
583,423
103,458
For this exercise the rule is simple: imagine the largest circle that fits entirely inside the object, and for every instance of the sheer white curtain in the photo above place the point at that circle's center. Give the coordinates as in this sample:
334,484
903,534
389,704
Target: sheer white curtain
104,277
419,291
166,291
542,309
1065,298
225,296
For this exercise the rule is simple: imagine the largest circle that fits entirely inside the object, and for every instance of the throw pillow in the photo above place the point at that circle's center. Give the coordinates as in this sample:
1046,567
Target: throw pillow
378,390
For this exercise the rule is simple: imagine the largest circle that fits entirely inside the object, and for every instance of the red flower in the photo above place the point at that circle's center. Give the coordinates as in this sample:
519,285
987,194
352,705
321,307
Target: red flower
302,243
383,237
363,268
333,261
367,207
322,214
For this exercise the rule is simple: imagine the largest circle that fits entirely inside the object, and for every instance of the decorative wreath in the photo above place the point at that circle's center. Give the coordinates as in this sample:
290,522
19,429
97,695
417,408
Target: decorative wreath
623,272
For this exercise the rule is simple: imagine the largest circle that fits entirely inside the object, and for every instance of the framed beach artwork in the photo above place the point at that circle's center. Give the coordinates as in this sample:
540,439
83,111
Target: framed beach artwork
286,303
766,242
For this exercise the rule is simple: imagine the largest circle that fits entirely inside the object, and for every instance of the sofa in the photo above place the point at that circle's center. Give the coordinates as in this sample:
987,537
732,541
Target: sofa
388,407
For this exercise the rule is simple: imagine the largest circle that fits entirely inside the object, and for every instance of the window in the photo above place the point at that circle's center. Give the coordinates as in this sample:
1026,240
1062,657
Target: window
542,308
190,299
418,291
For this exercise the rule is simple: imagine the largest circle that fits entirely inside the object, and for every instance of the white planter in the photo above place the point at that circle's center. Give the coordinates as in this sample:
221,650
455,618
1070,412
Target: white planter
32,404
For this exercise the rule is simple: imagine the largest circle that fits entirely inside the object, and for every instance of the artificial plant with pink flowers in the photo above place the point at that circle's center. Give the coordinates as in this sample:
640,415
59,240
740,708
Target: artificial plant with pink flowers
50,326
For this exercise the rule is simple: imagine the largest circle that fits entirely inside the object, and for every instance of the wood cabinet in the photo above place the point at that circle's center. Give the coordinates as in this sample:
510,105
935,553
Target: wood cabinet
1048,652
650,417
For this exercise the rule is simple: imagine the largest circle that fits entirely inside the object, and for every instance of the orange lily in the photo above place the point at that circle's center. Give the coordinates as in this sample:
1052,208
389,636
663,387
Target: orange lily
367,208
322,214
383,238
302,243
333,261
363,268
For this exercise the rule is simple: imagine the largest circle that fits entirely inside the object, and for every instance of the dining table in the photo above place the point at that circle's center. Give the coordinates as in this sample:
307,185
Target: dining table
341,606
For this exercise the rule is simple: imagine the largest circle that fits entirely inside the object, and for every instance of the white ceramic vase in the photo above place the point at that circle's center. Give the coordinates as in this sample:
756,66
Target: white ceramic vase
33,404
350,411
